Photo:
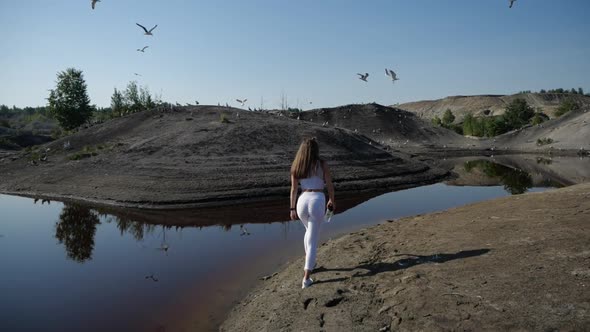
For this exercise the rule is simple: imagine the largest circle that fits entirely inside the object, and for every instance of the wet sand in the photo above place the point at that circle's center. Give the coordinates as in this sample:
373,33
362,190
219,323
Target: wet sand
514,263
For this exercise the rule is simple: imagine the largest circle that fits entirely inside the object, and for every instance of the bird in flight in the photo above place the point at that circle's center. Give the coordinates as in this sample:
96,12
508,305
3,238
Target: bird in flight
391,74
142,50
242,102
136,74
511,3
363,77
94,3
147,32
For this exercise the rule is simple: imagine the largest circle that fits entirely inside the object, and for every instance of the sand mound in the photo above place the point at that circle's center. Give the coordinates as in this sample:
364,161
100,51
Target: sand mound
489,104
198,155
388,126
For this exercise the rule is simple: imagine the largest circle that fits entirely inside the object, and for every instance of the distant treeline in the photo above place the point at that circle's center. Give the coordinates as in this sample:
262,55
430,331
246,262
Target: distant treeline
573,91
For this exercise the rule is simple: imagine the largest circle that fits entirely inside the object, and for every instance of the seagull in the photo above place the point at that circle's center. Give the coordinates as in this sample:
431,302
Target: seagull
242,101
147,32
142,50
94,3
196,102
151,276
136,74
391,74
363,77
511,3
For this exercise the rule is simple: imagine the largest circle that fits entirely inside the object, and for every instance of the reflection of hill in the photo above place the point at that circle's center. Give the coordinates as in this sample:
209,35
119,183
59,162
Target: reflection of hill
133,220
543,171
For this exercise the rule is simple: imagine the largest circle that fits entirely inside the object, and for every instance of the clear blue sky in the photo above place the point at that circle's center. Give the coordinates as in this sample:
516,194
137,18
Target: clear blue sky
310,50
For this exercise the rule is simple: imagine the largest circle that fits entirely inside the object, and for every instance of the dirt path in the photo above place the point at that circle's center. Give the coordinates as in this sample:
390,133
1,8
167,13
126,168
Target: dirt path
515,263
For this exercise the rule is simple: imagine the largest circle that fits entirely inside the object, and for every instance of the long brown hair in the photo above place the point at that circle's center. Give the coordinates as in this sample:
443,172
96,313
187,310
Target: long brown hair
306,159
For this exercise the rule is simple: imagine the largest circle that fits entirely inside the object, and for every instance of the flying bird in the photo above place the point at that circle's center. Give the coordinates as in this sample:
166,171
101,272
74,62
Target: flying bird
242,102
391,74
363,77
94,3
511,3
136,74
142,49
147,32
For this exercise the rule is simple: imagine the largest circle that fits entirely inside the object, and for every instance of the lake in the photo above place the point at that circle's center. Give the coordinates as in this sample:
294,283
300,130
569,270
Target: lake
71,267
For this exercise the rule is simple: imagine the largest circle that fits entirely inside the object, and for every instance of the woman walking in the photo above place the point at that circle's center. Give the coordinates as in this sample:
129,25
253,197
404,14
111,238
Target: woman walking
313,175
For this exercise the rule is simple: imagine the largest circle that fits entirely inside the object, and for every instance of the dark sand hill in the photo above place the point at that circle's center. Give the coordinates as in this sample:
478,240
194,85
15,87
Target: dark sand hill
488,104
188,156
387,126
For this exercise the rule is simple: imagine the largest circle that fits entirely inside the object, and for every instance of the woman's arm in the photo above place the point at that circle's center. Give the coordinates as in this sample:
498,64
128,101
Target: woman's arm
328,180
293,205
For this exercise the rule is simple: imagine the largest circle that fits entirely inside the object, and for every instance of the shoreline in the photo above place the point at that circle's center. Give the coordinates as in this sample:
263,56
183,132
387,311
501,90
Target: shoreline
462,272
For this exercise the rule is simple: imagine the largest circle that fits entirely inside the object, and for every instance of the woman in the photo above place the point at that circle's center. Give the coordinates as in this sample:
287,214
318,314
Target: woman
313,174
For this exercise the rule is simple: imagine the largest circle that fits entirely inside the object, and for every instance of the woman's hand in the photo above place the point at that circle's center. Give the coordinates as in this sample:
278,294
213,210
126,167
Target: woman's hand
331,205
293,215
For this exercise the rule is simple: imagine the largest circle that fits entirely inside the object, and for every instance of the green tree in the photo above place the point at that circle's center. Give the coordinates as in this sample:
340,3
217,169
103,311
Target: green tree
436,121
468,125
145,98
580,91
539,118
542,91
118,106
448,118
69,103
132,97
518,113
573,91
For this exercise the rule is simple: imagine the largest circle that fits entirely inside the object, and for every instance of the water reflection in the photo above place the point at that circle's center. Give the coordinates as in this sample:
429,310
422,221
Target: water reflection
515,181
76,229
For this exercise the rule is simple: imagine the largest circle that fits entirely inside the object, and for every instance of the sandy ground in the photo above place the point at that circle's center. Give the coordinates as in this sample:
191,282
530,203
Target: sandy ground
514,263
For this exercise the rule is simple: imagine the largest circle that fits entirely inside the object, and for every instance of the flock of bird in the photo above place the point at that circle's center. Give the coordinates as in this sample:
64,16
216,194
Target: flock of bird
363,77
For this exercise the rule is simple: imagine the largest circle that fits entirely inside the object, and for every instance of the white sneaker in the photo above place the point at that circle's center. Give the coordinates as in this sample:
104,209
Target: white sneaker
306,283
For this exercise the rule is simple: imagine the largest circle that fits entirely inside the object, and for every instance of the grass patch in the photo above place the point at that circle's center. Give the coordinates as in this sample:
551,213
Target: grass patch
223,118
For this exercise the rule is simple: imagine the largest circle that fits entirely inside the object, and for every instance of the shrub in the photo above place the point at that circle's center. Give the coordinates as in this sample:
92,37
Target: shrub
544,141
223,118
567,105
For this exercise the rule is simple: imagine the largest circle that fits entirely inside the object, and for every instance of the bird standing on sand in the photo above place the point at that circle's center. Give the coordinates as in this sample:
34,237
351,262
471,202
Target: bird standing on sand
142,50
242,102
511,3
93,2
391,75
363,77
147,32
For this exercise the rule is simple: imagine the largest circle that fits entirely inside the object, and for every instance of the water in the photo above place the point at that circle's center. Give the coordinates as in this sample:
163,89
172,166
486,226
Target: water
66,267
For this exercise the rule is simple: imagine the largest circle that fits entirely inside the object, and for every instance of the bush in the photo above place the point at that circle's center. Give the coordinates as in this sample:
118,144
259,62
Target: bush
544,141
223,118
567,105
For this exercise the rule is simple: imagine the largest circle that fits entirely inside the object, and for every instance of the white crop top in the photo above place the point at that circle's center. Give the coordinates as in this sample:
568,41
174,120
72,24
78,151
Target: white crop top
315,179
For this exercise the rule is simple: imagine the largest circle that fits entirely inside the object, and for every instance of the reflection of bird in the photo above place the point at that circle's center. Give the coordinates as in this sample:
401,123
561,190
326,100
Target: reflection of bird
142,50
511,3
147,32
151,276
391,74
164,246
94,3
243,230
242,102
363,77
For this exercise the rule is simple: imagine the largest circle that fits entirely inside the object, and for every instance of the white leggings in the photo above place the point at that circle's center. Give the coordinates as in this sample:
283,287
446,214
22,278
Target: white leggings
311,207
